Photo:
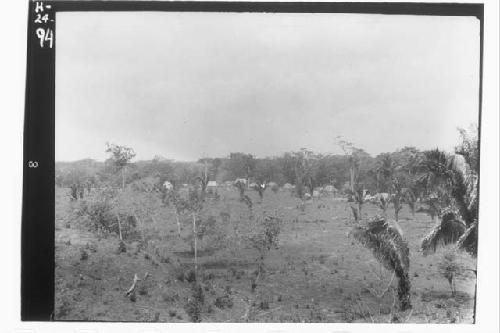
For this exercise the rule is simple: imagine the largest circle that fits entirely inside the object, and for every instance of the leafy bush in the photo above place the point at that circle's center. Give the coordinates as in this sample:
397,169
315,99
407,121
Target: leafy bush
451,269
223,302
195,303
99,210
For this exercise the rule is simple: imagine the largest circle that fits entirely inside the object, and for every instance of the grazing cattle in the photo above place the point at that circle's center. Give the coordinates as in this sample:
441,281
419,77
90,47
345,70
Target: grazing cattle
168,185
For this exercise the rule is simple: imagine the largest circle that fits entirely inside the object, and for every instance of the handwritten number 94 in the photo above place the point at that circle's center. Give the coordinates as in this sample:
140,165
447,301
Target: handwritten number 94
45,36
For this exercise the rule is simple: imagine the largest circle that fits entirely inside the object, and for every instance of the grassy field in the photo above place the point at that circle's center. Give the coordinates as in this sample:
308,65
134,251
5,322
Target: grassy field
317,274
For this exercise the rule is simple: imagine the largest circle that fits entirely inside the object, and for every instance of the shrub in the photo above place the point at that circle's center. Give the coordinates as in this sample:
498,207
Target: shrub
121,247
143,290
194,304
101,212
264,305
223,302
451,269
83,254
190,276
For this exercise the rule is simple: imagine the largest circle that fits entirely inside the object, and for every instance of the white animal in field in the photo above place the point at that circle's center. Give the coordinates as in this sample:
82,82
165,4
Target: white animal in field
288,186
316,194
168,185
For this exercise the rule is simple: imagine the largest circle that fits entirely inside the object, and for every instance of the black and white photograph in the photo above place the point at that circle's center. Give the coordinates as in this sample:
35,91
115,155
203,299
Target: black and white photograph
238,162
266,167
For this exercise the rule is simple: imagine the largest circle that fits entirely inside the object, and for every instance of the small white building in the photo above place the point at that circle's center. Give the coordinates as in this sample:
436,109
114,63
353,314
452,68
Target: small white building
168,185
212,184
330,189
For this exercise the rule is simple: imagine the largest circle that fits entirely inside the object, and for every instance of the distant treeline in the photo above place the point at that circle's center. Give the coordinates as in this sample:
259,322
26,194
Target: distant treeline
307,167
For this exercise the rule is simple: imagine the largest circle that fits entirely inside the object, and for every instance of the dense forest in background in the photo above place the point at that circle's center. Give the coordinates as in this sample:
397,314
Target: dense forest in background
304,168
323,169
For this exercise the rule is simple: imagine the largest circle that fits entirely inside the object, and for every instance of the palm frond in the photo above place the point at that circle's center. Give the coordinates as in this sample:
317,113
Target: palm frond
410,198
445,232
464,189
390,249
468,240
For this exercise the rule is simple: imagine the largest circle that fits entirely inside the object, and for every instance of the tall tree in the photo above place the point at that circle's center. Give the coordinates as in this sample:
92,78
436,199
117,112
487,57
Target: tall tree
120,157
386,168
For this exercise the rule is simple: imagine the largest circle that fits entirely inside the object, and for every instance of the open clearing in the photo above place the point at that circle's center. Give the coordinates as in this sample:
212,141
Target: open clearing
318,273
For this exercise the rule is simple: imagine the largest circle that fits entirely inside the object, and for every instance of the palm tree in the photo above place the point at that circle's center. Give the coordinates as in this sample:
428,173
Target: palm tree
410,198
390,248
356,199
385,170
459,219
397,197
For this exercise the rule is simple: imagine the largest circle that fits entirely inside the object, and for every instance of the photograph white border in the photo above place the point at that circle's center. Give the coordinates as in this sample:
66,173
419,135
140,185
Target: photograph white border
14,26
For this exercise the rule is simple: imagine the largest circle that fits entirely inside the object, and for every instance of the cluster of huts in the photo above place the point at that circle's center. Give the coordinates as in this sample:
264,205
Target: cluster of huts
213,185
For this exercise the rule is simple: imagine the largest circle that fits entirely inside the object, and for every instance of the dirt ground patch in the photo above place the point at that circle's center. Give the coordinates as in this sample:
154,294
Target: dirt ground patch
317,274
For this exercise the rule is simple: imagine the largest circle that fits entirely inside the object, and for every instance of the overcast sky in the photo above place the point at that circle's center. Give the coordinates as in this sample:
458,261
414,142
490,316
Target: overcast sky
187,85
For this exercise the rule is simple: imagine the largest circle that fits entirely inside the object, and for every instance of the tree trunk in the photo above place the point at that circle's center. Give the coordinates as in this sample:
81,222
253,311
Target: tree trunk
351,171
119,226
475,296
123,177
178,224
141,226
248,177
195,249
